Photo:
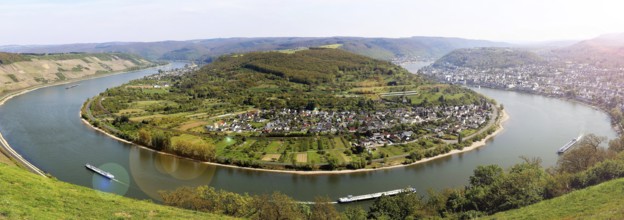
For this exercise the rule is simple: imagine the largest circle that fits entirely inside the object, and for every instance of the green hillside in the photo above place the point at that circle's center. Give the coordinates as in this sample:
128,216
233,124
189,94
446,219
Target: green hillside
488,58
281,80
603,201
24,195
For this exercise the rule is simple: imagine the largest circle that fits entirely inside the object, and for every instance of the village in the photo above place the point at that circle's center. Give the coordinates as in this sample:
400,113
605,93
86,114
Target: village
372,129
583,82
188,68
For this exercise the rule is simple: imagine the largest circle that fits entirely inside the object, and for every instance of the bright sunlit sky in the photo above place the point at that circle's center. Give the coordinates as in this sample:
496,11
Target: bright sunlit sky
81,21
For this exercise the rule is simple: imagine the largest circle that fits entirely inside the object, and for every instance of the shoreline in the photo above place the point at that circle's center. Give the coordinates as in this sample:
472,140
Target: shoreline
475,145
8,151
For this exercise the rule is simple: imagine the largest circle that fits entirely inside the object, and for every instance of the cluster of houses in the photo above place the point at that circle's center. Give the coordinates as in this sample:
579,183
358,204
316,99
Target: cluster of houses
188,68
584,82
373,128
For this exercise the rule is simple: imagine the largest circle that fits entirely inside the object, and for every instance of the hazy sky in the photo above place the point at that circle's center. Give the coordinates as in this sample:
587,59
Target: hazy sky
66,21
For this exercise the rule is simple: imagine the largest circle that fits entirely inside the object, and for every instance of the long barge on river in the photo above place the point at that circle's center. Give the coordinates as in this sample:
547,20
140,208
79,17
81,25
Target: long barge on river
99,171
72,86
352,198
569,144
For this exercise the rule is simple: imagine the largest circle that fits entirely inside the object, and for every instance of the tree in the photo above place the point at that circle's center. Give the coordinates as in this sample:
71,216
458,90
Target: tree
524,185
479,193
617,145
332,162
145,138
160,140
405,205
456,201
486,175
228,203
354,213
436,202
323,209
275,206
593,140
583,156
184,197
416,155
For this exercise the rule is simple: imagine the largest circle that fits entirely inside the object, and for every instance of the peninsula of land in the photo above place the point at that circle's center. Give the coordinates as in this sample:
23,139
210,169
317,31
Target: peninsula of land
321,109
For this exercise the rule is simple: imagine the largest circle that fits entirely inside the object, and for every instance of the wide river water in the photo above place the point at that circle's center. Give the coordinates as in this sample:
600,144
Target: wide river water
45,128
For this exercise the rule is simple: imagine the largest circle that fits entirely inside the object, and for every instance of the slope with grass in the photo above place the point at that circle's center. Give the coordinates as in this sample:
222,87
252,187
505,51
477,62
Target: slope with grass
603,201
19,71
24,195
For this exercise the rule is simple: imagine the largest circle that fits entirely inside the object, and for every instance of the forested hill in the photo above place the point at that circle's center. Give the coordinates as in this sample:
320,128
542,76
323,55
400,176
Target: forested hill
313,78
488,58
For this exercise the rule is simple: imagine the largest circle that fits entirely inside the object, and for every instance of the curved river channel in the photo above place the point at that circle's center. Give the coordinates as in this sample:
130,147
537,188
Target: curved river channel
45,128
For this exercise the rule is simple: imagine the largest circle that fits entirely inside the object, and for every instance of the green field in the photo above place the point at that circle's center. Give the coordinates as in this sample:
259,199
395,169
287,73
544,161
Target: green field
331,46
603,201
24,195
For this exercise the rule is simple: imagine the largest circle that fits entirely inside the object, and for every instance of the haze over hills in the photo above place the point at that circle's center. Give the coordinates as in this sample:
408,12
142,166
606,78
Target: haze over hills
489,57
606,50
426,48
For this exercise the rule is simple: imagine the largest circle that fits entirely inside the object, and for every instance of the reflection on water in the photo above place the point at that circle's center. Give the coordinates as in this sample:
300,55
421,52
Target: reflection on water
119,185
146,165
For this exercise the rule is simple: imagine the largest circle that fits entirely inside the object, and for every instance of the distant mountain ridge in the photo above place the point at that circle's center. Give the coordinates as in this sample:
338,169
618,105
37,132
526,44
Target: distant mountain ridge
207,49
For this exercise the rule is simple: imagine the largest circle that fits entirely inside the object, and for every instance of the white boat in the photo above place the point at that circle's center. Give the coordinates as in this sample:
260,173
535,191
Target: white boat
569,144
99,171
352,198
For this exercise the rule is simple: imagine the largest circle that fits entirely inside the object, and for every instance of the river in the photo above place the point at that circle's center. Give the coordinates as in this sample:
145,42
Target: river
45,128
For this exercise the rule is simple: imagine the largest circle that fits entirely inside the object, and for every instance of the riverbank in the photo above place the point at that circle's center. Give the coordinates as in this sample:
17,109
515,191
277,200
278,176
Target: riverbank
7,150
499,121
619,128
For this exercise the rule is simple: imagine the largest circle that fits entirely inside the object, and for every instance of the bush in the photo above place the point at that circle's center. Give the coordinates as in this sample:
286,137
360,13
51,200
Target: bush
160,140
